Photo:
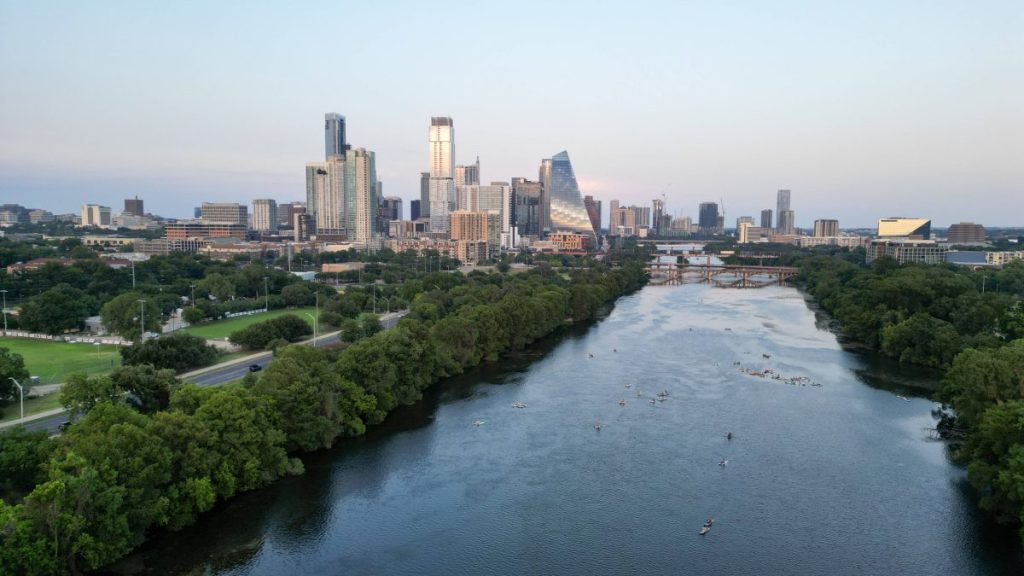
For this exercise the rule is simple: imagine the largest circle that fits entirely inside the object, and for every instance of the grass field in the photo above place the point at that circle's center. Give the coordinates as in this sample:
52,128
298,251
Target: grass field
53,361
221,329
33,405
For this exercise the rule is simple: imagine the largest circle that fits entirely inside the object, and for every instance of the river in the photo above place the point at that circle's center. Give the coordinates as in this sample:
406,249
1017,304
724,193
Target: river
834,479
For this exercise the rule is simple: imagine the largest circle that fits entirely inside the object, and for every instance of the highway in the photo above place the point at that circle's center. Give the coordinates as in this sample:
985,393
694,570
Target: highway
219,373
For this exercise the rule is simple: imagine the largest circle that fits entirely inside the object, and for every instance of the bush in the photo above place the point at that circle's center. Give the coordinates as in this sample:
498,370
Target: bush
258,336
179,352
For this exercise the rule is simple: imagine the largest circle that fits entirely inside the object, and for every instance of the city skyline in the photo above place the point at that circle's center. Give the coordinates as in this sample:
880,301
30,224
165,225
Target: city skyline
916,122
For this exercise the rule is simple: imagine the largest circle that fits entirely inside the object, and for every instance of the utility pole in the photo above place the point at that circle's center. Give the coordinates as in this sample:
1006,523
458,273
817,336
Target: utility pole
142,319
133,273
266,293
21,394
193,286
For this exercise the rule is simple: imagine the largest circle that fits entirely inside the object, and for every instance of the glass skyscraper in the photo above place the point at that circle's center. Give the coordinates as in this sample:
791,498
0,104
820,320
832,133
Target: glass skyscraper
442,172
334,135
566,211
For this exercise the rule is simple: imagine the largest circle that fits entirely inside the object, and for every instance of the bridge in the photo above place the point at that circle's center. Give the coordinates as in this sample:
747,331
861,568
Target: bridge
719,275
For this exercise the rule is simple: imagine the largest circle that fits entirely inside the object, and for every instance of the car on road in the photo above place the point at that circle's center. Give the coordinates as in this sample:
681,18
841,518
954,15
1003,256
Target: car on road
63,426
255,367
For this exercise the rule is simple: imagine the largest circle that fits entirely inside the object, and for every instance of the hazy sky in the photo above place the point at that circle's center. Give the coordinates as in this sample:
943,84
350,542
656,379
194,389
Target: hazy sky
865,109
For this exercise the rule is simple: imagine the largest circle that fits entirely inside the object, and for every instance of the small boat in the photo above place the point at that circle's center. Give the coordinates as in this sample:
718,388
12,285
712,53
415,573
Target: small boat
651,401
477,422
598,425
615,349
709,522
766,356
705,530
590,355
728,435
518,405
622,402
904,398
662,399
628,385
723,462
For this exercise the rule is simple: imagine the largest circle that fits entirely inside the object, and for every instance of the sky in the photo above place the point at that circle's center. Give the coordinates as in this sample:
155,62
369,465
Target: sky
864,109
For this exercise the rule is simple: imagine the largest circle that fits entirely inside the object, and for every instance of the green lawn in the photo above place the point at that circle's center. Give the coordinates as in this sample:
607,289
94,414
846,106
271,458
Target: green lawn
33,405
221,329
53,361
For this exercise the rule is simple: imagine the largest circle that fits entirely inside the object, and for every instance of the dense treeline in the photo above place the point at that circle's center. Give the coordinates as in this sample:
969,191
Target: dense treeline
969,324
178,351
122,471
289,328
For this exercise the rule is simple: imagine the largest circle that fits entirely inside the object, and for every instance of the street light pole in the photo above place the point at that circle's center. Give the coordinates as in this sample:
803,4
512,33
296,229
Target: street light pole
142,319
21,394
266,293
133,273
193,286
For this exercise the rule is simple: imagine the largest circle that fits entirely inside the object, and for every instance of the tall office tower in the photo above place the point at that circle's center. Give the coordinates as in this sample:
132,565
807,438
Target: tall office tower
468,175
707,219
826,228
566,211
742,219
593,211
966,233
766,219
197,212
544,177
325,195
284,215
442,172
781,205
424,195
303,225
414,210
642,216
225,213
133,207
264,215
334,135
361,195
614,218
659,209
467,225
527,197
787,222
393,207
95,215
496,200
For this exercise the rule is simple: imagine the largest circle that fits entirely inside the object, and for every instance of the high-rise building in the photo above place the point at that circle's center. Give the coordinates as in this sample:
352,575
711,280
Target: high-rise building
781,205
544,177
744,219
766,219
40,216
334,135
393,207
659,210
133,207
787,223
708,219
593,211
469,225
442,171
825,227
325,195
224,213
424,195
360,195
966,233
414,210
95,215
468,175
526,206
898,227
303,225
264,215
566,210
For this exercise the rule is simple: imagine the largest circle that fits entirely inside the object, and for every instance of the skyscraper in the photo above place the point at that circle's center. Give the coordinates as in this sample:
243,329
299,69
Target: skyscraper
414,210
334,135
659,210
781,205
264,215
527,196
393,207
442,172
826,227
95,215
325,195
544,177
766,219
133,207
744,219
360,195
566,210
424,195
468,175
593,211
708,218
787,223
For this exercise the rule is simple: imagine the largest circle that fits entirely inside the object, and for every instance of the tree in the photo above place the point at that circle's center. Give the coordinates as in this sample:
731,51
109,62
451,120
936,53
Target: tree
12,366
922,339
256,337
995,455
178,351
149,386
123,315
297,294
22,455
82,393
979,379
55,311
193,315
217,285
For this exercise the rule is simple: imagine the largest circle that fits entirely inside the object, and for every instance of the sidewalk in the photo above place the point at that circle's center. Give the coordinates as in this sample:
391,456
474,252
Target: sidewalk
31,417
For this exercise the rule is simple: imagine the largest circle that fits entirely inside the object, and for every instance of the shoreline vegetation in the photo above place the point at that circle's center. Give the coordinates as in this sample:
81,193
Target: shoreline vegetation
91,496
942,318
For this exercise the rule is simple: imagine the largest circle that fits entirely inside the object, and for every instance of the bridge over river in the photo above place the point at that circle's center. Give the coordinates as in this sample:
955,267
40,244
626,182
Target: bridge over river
719,275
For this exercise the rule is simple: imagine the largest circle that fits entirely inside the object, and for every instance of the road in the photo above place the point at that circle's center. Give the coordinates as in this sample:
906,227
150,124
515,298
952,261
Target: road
220,373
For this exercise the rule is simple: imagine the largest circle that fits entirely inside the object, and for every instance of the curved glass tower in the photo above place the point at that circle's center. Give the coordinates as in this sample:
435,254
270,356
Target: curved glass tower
566,211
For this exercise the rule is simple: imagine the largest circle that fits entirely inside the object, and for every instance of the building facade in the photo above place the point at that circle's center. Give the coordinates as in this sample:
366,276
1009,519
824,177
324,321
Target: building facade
966,233
905,251
766,218
133,207
593,211
264,215
441,137
898,227
414,210
95,215
782,199
825,227
707,219
335,143
566,212
224,213
526,206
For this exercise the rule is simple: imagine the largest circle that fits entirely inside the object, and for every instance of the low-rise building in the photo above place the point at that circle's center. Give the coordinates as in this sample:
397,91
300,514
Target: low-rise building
570,241
843,241
905,251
